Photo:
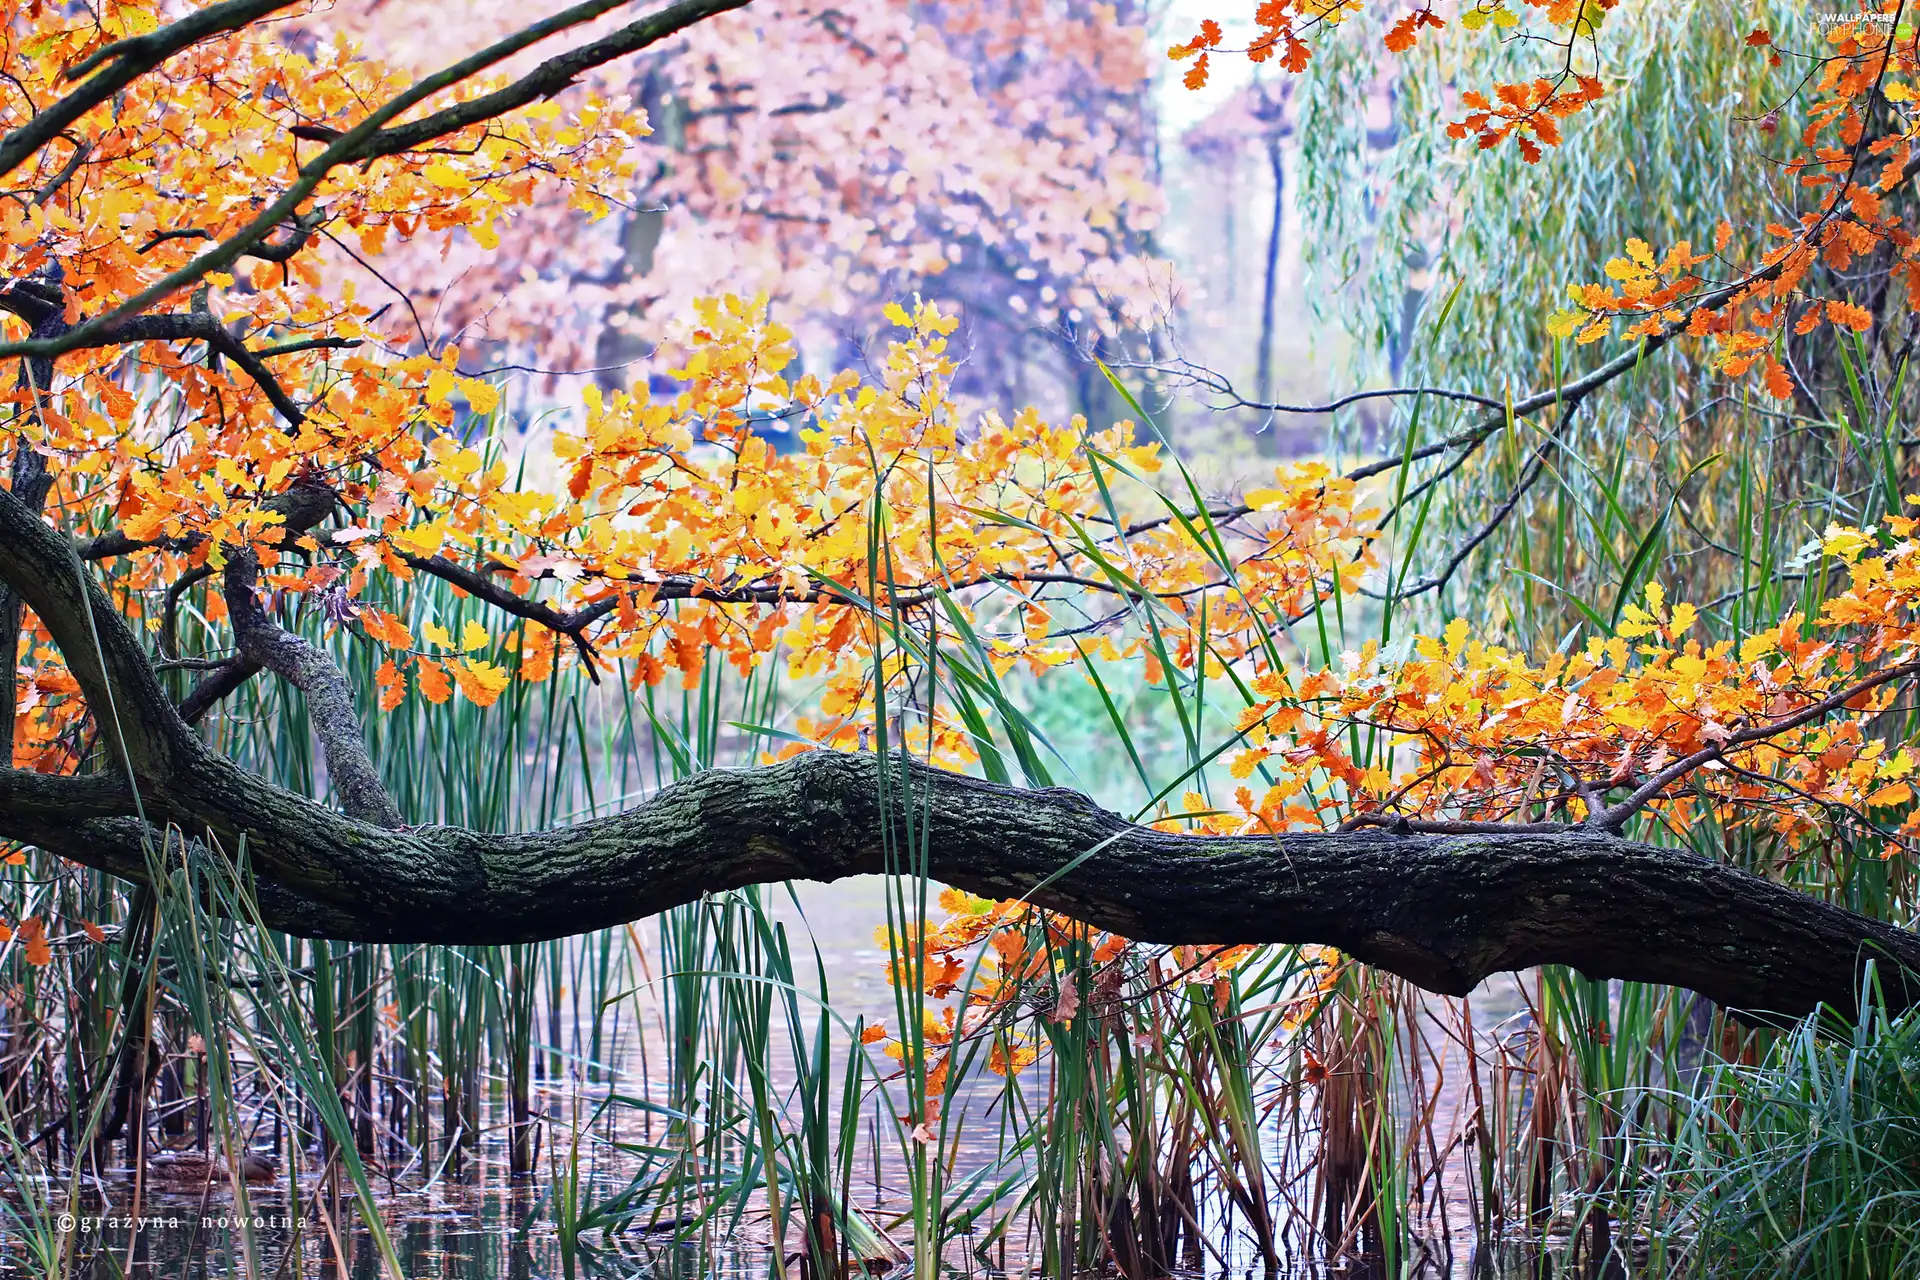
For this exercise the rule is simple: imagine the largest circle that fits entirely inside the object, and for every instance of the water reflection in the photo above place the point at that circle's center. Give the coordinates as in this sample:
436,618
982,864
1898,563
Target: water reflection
483,1224
500,1231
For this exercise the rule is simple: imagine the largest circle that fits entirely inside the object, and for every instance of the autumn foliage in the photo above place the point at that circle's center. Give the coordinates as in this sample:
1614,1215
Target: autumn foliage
181,392
1853,151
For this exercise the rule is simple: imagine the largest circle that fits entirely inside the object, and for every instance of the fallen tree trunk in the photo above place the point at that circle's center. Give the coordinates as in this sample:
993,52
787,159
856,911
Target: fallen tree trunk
1442,911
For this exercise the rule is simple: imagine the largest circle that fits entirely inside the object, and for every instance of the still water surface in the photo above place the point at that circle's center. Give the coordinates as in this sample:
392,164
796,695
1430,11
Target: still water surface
482,1224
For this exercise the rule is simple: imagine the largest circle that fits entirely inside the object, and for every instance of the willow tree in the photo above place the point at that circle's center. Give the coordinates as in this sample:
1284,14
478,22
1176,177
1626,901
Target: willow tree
1697,123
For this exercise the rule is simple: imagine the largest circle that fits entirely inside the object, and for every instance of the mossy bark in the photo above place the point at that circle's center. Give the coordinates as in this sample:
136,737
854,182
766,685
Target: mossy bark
1441,910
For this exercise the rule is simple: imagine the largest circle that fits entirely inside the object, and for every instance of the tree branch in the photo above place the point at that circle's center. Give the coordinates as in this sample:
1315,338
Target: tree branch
200,326
114,674
329,698
216,686
120,847
545,80
125,62
1459,555
37,300
302,506
372,138
1444,912
571,624
1614,817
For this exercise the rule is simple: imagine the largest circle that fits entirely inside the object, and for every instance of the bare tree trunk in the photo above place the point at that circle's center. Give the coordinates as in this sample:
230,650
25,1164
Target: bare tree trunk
1270,289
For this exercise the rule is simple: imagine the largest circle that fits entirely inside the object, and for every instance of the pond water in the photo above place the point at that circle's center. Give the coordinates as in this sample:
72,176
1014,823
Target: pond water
479,1223
491,1228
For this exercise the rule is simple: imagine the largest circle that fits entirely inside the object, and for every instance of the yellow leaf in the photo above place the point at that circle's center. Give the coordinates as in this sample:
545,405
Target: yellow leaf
1756,647
482,397
1846,543
421,539
1634,622
442,174
473,636
1885,797
961,903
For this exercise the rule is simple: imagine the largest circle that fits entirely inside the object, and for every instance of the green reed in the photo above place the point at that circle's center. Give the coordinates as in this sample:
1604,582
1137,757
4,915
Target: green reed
695,1079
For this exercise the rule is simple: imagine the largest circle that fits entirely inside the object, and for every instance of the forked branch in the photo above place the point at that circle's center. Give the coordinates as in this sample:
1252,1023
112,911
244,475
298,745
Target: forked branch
264,643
